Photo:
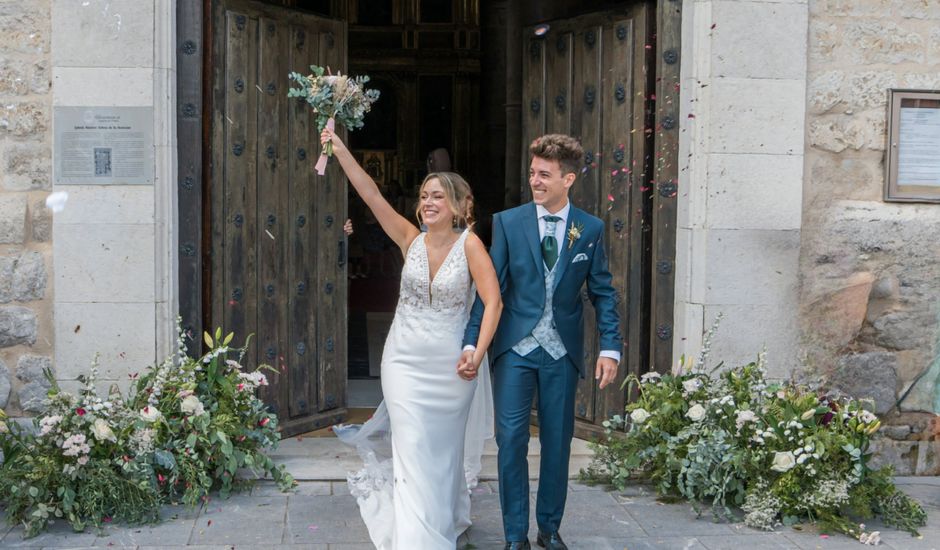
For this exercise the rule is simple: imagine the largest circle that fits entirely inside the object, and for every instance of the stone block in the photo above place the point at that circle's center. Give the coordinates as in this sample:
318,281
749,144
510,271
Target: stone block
747,329
923,81
824,39
29,277
123,333
862,8
24,26
846,177
869,89
871,375
24,119
920,384
5,385
33,392
755,191
28,167
837,317
104,263
22,277
904,330
916,10
103,87
751,266
12,219
874,42
902,455
836,133
41,218
758,40
757,116
31,368
17,326
14,77
117,33
825,91
108,204
896,432
933,46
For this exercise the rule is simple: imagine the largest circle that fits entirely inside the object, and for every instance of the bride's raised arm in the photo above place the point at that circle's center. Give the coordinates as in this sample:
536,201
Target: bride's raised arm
396,226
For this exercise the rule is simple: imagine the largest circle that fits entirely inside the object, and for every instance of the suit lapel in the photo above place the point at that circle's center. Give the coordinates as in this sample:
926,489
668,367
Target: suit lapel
564,250
530,230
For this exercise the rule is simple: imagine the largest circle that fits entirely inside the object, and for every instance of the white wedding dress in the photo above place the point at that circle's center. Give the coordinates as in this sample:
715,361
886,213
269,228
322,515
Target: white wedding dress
414,494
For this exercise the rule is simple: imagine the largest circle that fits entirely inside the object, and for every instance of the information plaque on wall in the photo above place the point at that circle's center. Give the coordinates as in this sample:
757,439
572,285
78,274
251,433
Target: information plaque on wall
103,145
913,163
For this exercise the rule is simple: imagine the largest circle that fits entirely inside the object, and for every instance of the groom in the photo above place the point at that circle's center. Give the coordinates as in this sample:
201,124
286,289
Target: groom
544,252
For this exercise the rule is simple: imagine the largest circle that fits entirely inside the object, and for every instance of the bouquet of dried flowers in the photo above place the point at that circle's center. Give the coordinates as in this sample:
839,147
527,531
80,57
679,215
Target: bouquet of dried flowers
334,98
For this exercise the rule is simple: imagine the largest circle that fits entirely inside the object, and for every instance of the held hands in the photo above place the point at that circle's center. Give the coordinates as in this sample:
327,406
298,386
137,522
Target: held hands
605,371
466,367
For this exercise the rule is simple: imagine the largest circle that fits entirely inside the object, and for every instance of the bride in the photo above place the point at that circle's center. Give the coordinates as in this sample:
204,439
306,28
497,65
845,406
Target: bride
419,498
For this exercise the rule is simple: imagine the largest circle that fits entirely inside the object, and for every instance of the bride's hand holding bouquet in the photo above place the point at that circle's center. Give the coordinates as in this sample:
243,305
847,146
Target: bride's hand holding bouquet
334,98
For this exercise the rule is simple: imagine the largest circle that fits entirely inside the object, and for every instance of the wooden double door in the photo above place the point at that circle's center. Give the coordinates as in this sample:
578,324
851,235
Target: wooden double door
589,77
273,257
276,228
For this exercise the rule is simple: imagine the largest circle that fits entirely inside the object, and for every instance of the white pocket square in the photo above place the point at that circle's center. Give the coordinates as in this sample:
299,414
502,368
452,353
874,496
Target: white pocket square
581,257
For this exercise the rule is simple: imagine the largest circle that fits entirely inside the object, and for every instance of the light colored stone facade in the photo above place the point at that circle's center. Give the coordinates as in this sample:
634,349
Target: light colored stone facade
870,269
741,178
98,277
26,285
113,245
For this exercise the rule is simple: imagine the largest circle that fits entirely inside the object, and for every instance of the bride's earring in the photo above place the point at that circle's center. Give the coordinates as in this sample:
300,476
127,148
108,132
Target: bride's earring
455,220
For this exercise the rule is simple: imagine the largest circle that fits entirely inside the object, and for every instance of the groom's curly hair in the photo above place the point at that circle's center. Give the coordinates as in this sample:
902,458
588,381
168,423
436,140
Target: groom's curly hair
561,147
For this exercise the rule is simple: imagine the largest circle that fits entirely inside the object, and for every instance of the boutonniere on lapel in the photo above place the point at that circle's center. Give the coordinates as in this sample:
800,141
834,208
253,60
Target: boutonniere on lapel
574,233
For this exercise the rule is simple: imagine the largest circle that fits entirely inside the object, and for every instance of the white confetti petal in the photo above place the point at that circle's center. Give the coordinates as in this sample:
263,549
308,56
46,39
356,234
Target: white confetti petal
56,201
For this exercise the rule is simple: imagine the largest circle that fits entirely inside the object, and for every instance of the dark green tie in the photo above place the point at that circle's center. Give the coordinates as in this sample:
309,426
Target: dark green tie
549,242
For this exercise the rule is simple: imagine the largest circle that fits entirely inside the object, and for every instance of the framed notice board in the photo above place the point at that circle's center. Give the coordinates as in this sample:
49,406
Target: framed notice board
913,163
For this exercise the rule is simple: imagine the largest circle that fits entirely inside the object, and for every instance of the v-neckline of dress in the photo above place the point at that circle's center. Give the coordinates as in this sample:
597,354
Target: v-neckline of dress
427,258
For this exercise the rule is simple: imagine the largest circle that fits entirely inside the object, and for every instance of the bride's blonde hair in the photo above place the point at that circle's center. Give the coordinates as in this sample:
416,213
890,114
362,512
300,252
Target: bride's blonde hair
457,193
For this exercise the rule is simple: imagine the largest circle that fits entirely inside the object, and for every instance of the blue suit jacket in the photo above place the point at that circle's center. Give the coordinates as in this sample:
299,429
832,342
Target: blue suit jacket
517,256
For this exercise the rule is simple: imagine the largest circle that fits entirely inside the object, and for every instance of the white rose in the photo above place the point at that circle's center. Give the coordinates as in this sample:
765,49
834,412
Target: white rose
808,414
103,431
192,405
150,414
692,384
783,461
4,428
867,417
639,416
696,413
744,417
650,377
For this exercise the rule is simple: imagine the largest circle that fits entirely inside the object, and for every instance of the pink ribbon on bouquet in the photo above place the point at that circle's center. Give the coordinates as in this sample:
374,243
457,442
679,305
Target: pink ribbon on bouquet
321,162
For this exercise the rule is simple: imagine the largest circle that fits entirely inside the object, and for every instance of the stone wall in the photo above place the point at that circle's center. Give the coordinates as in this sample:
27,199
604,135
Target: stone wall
26,324
870,270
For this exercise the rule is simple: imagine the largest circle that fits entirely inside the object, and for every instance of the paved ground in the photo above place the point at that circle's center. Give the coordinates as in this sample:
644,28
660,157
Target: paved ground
321,515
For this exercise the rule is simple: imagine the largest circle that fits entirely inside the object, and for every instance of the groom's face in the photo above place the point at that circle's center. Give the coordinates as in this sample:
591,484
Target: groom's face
549,185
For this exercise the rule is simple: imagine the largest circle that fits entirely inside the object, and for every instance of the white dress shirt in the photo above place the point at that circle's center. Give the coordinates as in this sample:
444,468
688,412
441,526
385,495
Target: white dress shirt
560,227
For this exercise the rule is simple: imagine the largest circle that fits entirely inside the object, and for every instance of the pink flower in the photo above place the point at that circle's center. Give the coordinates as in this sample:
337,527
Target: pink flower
264,422
161,479
240,387
80,411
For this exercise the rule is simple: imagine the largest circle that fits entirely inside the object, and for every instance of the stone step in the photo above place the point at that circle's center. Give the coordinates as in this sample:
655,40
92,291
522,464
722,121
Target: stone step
328,459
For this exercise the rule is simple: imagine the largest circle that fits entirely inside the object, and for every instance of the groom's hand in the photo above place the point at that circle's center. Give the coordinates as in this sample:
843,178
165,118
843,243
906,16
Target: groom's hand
606,371
466,368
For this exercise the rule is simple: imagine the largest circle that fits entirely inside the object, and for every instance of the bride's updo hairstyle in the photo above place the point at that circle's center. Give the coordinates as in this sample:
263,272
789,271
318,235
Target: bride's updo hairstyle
457,193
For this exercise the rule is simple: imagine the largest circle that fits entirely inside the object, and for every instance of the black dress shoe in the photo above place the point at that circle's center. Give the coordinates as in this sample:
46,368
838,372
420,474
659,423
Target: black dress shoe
551,541
518,545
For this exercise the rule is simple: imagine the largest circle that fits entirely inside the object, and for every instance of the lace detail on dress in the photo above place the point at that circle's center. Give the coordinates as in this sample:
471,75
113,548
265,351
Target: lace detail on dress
447,294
